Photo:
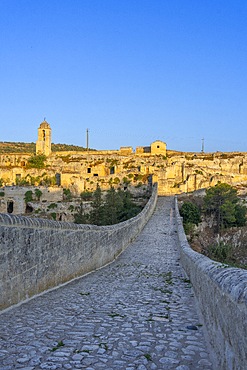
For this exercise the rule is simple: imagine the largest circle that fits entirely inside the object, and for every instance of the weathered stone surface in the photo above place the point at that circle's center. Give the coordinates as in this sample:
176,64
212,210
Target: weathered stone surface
222,296
41,254
113,326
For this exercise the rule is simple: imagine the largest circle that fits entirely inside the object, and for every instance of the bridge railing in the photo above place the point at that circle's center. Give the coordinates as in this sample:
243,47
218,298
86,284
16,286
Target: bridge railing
38,254
221,292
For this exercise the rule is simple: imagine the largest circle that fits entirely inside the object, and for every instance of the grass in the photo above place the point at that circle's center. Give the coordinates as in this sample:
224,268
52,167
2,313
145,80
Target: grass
162,290
59,344
115,314
104,345
148,356
186,280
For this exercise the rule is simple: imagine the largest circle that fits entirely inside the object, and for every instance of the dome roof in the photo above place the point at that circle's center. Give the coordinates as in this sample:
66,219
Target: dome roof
44,124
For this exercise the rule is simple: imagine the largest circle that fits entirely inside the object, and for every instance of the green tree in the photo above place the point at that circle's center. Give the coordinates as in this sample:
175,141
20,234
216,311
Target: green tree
96,214
112,207
80,217
190,213
240,215
222,201
86,195
129,208
118,206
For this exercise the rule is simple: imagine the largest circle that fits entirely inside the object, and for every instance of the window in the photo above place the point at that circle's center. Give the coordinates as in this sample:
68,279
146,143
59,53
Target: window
112,170
58,179
89,170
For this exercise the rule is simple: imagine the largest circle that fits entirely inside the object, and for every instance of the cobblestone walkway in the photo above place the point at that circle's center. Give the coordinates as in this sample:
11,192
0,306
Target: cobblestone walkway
137,313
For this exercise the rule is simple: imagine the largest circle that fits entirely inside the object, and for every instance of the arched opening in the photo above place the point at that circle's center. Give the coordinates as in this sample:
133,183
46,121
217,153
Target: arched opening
43,135
10,206
29,209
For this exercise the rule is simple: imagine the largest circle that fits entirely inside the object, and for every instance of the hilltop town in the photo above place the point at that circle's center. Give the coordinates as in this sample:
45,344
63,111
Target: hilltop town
53,170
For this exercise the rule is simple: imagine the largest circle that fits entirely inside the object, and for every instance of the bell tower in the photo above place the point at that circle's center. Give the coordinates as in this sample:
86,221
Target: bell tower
43,144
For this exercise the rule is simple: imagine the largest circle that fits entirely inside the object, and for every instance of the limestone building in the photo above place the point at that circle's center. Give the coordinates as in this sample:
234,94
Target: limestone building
43,144
158,147
175,172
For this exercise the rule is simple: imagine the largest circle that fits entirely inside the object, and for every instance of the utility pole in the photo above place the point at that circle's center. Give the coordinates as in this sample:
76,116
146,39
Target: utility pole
87,139
202,145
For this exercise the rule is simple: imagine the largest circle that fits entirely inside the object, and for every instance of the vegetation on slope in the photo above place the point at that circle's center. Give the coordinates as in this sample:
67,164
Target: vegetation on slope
115,207
222,235
19,147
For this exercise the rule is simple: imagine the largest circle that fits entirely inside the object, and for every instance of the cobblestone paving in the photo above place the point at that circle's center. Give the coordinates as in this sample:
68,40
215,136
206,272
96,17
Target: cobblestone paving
137,313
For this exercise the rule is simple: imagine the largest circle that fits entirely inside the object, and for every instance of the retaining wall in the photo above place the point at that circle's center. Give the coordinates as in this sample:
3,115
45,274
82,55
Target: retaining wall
37,254
221,292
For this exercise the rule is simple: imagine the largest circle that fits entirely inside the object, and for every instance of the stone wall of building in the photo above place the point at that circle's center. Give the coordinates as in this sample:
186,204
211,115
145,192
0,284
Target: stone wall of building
16,196
37,254
175,173
221,292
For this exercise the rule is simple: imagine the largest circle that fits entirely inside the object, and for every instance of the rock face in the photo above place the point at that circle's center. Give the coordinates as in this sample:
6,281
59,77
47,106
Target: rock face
40,254
222,299
175,172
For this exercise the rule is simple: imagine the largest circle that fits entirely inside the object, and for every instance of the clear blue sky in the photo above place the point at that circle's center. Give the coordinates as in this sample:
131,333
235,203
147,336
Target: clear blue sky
132,71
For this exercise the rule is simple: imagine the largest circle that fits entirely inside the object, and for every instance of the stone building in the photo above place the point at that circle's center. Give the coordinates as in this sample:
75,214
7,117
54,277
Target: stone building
175,172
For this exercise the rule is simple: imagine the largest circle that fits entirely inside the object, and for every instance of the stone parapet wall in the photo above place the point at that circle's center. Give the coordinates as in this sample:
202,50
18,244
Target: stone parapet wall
221,292
37,254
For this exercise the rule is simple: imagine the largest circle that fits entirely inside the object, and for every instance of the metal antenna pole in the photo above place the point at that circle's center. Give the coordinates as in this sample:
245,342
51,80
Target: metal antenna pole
87,139
202,145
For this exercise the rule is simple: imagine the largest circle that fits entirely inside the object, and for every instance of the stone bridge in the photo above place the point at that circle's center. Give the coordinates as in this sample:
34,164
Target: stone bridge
159,305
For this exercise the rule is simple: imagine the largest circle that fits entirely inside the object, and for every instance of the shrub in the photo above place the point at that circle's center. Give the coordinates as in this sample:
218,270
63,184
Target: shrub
190,213
38,193
54,216
36,161
67,194
221,252
28,196
189,229
52,206
86,195
48,181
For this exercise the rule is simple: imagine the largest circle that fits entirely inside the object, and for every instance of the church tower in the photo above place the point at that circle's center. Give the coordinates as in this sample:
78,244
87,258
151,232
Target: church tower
43,144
